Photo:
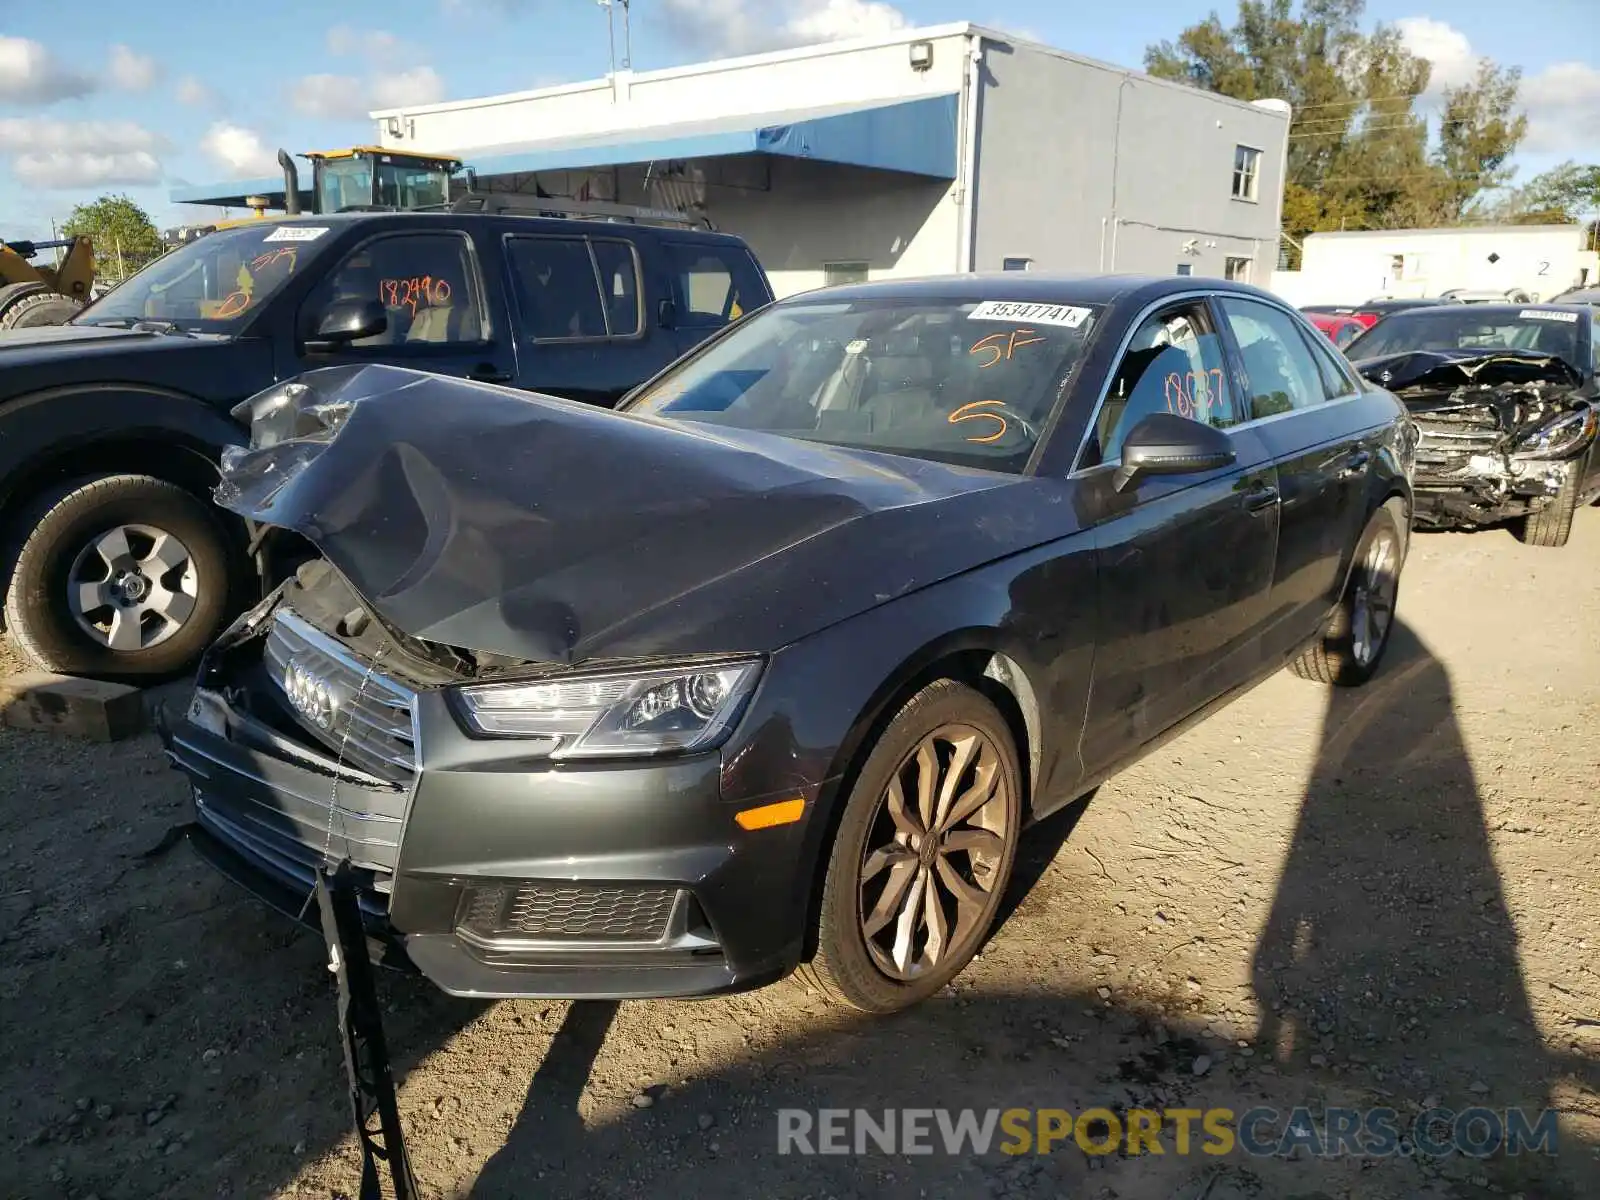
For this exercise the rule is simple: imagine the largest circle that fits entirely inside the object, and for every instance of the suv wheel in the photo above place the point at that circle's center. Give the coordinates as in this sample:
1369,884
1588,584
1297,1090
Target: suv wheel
1352,645
123,577
923,853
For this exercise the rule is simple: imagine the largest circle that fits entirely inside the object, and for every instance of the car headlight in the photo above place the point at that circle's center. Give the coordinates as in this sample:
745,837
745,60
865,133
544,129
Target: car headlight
1560,439
670,710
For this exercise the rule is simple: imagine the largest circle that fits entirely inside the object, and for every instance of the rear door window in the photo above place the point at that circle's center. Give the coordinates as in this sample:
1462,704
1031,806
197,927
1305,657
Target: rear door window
1278,366
715,284
558,288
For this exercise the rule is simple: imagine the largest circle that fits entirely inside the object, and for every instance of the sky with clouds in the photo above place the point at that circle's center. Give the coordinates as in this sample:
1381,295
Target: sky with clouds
103,96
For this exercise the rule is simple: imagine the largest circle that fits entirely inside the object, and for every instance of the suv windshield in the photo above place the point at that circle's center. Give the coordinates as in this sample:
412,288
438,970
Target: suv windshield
214,284
1535,330
955,381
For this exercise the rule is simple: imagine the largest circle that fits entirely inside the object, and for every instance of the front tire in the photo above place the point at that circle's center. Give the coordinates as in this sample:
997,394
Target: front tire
1552,524
1356,636
124,577
922,855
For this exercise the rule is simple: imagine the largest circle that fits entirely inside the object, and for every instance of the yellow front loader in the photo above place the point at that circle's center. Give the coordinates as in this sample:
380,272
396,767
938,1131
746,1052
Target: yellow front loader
33,295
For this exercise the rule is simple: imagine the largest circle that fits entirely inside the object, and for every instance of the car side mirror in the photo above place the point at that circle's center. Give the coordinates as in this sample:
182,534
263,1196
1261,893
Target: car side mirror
1167,444
346,321
667,314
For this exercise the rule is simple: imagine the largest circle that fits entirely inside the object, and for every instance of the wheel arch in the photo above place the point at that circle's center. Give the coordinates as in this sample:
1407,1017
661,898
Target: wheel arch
974,656
166,435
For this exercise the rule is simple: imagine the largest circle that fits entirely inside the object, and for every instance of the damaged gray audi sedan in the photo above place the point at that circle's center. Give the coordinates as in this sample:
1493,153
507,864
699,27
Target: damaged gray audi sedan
772,666
1506,399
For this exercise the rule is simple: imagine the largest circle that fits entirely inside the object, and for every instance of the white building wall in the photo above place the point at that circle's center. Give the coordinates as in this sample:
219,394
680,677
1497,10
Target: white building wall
1351,268
838,73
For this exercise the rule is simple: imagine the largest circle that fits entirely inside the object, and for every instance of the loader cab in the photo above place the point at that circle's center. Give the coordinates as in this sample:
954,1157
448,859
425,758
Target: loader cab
368,177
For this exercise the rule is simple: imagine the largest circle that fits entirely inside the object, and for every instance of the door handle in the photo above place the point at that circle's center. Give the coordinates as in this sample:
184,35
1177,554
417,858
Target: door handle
1355,464
489,373
1260,498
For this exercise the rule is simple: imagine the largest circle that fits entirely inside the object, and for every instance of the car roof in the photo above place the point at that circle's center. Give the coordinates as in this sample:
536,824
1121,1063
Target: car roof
1038,287
1470,311
566,224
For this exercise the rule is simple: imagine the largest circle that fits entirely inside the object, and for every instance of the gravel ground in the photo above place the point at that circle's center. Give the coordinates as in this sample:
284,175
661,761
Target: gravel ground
1381,897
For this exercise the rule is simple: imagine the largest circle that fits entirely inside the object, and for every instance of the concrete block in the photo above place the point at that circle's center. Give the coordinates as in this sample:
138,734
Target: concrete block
86,708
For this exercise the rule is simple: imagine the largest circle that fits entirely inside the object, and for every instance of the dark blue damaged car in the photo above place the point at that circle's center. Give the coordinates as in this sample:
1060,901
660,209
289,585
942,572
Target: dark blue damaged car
771,667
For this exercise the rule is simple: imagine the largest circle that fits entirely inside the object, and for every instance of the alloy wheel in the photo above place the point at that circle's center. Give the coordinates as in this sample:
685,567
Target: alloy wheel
132,587
934,852
1372,605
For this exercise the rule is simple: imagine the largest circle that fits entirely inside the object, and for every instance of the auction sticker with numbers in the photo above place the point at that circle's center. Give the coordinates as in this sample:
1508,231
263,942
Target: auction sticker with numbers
1545,314
296,233
1034,314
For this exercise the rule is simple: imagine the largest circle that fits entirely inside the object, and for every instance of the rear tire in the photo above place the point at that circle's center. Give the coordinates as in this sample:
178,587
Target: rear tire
883,866
39,309
1552,524
1356,636
165,599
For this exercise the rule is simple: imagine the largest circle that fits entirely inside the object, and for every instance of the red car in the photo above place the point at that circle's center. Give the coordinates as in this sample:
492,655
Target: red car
1340,328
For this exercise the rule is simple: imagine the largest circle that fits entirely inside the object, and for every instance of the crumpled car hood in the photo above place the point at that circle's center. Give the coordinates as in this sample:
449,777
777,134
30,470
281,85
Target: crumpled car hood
1446,370
522,525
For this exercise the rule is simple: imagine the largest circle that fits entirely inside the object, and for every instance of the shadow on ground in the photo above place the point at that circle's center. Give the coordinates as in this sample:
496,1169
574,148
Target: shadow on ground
1389,894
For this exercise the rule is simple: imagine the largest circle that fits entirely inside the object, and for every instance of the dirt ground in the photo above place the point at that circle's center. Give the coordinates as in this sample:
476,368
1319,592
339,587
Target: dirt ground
1387,897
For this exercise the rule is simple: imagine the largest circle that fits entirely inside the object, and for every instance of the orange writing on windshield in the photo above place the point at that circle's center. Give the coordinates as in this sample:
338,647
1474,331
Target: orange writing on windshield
417,292
978,410
1001,346
262,261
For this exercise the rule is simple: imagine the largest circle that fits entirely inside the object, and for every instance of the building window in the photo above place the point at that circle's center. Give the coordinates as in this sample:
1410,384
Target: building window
1185,268
835,274
1237,269
1016,264
1246,172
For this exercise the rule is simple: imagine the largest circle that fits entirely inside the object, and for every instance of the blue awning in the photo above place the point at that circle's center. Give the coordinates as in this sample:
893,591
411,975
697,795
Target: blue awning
913,137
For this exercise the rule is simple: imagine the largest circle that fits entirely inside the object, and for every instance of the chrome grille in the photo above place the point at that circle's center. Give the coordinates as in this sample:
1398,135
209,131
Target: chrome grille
369,725
568,912
1451,436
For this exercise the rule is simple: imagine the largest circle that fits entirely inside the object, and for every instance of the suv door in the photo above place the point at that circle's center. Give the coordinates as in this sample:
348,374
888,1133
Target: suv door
580,304
713,283
1184,561
433,292
1294,389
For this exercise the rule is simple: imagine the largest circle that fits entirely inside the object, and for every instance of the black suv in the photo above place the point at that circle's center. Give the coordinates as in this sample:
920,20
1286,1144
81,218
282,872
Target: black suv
115,562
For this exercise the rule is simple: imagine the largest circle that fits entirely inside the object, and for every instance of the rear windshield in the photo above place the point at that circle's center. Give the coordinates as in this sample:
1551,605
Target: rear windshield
216,282
962,382
1539,331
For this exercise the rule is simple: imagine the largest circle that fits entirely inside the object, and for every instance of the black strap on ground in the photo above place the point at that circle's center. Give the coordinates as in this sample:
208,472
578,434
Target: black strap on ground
366,1058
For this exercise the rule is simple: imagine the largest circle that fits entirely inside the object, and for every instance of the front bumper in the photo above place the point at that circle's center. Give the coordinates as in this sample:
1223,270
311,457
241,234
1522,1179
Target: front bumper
1481,489
495,875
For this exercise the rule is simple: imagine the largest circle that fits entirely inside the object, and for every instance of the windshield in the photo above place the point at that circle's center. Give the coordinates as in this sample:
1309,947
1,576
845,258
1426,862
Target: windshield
214,284
960,382
1537,331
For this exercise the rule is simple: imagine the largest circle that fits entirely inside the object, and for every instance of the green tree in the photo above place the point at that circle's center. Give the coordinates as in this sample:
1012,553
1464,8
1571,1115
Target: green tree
1359,153
1479,130
125,238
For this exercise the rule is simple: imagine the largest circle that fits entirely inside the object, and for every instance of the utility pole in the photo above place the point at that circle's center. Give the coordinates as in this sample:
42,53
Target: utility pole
611,33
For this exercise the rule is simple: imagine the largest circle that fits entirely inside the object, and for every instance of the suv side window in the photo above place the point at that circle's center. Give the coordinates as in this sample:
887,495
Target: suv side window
426,282
558,288
1281,374
1173,364
715,284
